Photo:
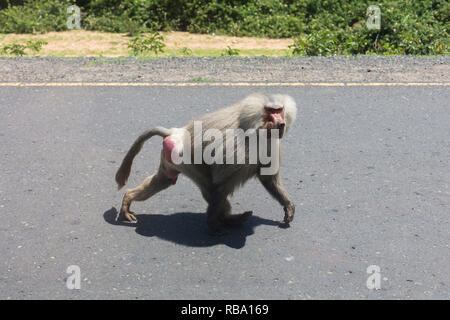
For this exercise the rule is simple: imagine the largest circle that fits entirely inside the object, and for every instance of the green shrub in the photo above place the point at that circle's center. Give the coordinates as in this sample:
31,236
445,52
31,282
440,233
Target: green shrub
15,49
35,45
131,16
35,16
419,28
152,42
18,49
186,51
229,52
263,18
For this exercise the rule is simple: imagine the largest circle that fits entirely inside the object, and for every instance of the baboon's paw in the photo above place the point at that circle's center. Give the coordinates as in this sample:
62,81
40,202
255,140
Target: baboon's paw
217,231
246,215
237,219
284,224
128,215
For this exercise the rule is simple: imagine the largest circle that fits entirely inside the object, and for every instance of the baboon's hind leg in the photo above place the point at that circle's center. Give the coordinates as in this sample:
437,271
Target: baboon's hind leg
224,215
233,219
151,185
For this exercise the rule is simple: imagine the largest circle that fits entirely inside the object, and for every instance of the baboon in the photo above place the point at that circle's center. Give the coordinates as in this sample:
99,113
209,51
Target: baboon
266,116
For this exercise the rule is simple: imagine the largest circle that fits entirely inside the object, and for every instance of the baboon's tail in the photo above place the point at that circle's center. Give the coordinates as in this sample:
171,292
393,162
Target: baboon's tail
124,171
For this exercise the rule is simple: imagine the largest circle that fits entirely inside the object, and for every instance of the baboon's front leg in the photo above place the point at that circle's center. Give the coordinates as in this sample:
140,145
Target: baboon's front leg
275,188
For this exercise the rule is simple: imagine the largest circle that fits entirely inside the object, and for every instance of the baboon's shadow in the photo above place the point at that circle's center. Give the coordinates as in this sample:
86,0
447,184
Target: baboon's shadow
187,228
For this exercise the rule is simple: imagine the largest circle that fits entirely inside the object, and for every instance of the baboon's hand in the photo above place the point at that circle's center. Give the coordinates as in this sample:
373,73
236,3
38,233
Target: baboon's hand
289,211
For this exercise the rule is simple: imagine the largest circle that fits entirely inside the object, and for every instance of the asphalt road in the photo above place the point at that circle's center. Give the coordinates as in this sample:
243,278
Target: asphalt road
368,169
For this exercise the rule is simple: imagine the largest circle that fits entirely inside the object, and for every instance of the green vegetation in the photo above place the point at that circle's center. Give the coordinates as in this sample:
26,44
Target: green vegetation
318,27
219,53
186,52
200,79
19,49
34,16
150,42
228,52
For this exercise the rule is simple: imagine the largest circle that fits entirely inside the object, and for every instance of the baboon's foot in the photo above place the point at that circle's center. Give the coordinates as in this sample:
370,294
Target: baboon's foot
236,219
284,224
127,215
288,216
216,229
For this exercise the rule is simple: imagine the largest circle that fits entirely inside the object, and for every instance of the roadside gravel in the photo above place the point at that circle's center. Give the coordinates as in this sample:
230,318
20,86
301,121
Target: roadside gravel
181,69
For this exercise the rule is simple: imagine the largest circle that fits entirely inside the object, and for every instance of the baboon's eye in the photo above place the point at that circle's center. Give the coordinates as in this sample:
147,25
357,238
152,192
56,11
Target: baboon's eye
274,109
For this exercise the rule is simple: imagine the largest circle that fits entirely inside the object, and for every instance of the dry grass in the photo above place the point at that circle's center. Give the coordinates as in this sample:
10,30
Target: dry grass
79,43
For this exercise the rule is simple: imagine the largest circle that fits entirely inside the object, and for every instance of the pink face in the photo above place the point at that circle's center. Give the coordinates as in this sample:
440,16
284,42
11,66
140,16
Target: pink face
274,118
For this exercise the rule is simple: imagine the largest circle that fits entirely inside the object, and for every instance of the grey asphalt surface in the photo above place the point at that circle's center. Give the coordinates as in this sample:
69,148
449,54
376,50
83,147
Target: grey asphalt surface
368,169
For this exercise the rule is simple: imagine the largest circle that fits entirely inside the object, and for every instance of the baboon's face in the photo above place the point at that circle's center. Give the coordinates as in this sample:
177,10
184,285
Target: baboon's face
274,119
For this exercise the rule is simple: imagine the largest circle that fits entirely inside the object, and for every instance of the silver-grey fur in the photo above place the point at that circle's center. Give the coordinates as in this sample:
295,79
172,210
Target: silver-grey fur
216,181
